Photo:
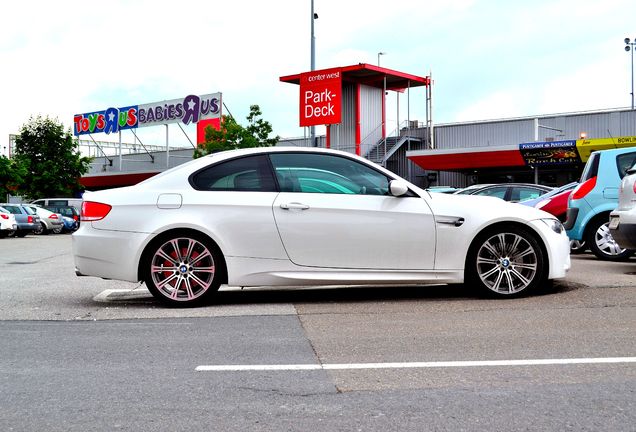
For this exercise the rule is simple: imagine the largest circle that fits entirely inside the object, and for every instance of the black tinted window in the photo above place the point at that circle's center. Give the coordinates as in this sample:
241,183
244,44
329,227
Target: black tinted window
250,173
625,162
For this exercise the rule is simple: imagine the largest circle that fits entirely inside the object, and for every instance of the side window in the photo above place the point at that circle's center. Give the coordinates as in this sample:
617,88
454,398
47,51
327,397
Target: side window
591,167
524,193
322,173
250,173
499,192
625,162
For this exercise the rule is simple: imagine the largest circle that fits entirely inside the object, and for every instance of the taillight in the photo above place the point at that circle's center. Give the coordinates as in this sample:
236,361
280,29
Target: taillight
75,217
94,211
584,188
53,216
634,187
29,219
4,216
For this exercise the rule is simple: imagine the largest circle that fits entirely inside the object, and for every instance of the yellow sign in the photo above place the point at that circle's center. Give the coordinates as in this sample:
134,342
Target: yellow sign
587,146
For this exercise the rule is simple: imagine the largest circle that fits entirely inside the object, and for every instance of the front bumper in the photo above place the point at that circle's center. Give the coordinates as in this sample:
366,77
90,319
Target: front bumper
557,247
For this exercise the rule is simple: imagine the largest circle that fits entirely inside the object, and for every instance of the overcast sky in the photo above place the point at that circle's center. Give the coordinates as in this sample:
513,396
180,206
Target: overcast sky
489,59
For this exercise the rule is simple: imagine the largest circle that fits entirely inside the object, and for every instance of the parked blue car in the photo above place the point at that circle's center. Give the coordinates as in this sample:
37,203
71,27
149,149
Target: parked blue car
591,202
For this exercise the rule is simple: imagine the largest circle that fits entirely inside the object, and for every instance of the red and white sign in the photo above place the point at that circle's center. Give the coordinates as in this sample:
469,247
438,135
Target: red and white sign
320,97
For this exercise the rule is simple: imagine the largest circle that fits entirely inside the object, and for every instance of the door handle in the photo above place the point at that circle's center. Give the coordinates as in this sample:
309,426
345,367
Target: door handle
294,206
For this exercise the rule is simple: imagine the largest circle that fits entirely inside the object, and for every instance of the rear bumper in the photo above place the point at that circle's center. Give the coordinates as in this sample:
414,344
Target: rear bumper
624,234
107,254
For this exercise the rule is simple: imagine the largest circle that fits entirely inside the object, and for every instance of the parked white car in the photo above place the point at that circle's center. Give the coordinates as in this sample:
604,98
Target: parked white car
8,224
49,221
305,216
623,219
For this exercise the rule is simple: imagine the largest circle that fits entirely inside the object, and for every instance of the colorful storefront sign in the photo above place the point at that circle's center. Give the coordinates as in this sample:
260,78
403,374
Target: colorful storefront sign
587,146
549,153
190,109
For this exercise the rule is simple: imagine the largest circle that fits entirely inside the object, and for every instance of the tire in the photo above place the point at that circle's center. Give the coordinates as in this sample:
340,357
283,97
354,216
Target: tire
577,247
602,244
41,230
506,262
58,230
183,269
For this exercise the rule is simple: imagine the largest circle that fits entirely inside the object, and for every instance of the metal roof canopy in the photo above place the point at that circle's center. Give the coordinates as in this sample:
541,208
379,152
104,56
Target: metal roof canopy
373,76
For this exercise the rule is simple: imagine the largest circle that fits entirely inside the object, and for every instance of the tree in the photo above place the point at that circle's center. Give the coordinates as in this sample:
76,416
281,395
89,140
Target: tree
12,173
232,135
51,159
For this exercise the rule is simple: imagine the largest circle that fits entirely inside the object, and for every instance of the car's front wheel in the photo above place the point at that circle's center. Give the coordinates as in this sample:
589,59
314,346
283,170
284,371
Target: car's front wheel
506,262
602,244
183,270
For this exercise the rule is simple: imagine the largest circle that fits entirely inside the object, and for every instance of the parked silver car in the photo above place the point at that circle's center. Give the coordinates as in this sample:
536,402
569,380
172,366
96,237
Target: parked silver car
622,223
49,221
25,218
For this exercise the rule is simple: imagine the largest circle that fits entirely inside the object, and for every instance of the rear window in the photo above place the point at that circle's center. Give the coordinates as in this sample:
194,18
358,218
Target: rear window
28,210
624,162
12,209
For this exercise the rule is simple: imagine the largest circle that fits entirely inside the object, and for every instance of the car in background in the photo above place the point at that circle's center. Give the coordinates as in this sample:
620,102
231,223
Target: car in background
25,218
49,221
70,224
67,211
555,202
8,225
591,202
622,222
442,189
513,192
288,216
54,202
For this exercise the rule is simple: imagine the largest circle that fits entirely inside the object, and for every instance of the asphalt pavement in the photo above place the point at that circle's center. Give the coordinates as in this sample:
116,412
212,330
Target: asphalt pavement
81,354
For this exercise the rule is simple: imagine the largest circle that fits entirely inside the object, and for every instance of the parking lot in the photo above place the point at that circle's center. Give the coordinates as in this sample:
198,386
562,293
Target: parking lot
340,358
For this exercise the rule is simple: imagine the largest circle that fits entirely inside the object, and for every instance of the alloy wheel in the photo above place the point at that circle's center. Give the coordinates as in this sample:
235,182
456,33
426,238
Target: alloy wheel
507,263
182,269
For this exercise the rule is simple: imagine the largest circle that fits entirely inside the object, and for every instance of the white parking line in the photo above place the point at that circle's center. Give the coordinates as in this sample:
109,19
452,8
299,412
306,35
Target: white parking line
414,365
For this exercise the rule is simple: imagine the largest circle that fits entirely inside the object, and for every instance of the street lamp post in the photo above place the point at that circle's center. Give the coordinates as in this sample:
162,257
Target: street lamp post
312,129
630,46
380,54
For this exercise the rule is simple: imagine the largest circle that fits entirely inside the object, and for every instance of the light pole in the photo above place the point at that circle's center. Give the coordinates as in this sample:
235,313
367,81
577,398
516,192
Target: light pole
380,54
630,46
314,16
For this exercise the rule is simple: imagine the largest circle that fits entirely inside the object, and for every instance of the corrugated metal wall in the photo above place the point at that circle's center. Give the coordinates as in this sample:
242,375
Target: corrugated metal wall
370,118
599,124
343,135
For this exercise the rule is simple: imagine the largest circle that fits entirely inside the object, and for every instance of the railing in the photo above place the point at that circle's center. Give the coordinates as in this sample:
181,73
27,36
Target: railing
393,141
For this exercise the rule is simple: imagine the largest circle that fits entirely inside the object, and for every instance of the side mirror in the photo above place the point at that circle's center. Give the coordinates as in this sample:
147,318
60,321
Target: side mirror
398,188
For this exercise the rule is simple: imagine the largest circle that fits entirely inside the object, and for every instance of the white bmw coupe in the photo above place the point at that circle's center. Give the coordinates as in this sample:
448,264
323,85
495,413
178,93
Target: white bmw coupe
305,216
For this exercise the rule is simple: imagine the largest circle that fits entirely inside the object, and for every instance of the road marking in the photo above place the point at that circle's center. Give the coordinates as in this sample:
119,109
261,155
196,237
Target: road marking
414,365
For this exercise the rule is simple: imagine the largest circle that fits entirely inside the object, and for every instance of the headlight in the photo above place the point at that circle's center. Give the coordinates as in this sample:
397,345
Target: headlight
554,225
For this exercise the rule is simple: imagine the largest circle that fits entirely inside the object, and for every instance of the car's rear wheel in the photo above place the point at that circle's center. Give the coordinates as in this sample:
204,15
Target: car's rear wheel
183,270
602,244
41,229
506,262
